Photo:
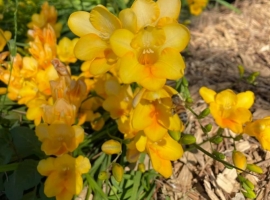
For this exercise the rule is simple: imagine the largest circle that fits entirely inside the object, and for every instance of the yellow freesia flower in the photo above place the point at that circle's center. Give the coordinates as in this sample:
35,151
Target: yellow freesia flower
229,110
35,110
154,116
29,67
119,100
4,37
197,6
48,15
149,13
152,55
161,152
94,30
58,139
63,175
261,130
65,49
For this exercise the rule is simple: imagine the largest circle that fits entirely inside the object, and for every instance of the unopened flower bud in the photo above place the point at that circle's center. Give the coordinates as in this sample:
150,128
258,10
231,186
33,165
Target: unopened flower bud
103,175
208,127
204,113
141,167
249,194
176,135
239,160
254,168
188,139
117,171
111,147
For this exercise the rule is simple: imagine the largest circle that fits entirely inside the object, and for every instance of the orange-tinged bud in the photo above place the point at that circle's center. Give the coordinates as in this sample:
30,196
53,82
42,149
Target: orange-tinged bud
117,171
141,167
111,147
239,160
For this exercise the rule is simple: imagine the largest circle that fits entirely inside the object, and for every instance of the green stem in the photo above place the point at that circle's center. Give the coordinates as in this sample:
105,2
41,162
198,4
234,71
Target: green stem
9,167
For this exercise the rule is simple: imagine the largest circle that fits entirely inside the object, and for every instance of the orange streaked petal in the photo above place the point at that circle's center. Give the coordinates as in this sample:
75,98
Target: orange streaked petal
147,11
79,24
155,131
170,65
120,42
143,116
89,47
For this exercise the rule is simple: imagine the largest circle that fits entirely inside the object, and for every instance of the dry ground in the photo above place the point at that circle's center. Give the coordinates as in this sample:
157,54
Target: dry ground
220,41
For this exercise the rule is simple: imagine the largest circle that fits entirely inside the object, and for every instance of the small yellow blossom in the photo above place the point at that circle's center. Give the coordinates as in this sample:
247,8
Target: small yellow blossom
4,37
197,6
58,139
35,110
63,175
65,49
261,130
94,30
229,110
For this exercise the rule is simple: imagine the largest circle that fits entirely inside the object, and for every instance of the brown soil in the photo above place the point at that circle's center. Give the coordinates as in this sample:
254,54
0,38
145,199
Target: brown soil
221,40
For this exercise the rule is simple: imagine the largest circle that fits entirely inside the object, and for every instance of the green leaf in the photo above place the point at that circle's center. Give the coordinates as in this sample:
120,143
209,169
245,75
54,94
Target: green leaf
13,187
28,174
137,180
1,182
30,196
228,5
6,150
26,142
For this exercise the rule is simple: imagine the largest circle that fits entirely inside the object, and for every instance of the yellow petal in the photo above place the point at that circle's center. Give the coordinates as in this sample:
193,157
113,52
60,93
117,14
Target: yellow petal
155,131
143,116
74,183
79,23
171,9
3,90
241,115
89,47
227,99
129,68
140,141
169,149
42,131
149,81
147,11
245,99
64,195
104,21
99,66
177,36
120,42
128,19
53,185
82,164
207,94
170,65
46,167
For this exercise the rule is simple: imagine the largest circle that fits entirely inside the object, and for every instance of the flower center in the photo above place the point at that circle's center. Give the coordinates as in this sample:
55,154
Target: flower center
147,56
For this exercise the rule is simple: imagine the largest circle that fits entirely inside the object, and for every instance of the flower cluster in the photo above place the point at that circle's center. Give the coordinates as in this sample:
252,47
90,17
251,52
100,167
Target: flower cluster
142,46
59,136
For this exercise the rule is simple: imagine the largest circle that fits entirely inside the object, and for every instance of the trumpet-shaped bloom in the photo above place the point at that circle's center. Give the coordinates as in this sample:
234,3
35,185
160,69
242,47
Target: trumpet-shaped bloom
63,175
65,49
4,37
153,115
152,55
94,30
58,139
229,110
261,130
